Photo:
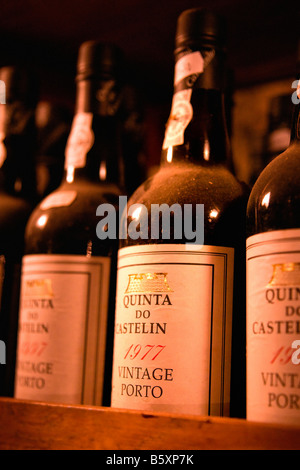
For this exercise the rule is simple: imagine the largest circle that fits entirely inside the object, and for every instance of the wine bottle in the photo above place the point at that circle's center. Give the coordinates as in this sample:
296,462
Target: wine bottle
278,133
273,292
173,327
68,273
17,200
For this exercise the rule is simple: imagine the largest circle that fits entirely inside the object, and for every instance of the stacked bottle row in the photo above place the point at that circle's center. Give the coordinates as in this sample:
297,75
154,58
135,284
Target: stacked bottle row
33,137
141,303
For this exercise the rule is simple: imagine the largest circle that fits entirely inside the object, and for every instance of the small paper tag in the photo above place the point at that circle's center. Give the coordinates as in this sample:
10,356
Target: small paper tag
80,141
181,115
188,65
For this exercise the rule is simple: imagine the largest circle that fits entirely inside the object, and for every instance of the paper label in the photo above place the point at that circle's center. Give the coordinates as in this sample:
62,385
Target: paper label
188,65
273,324
80,141
58,199
180,117
173,329
62,328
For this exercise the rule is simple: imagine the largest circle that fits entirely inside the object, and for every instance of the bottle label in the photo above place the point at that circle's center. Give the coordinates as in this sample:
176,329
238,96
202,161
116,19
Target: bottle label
62,328
180,117
273,325
80,141
187,68
173,329
189,64
58,199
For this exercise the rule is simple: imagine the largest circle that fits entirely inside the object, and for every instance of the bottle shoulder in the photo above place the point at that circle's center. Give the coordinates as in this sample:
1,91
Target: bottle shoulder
223,197
189,183
65,221
274,201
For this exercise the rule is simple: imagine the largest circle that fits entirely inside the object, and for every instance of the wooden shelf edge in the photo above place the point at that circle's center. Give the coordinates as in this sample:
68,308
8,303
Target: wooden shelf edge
32,425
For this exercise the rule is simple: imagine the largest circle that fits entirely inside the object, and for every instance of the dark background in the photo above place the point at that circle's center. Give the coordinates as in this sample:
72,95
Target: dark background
262,38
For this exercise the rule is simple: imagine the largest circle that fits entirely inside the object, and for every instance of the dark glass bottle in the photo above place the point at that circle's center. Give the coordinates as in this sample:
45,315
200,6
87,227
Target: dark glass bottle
278,133
173,327
273,280
68,276
17,199
133,138
279,130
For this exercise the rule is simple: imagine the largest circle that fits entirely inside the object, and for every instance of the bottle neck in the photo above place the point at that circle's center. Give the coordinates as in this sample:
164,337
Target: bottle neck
17,150
196,131
93,150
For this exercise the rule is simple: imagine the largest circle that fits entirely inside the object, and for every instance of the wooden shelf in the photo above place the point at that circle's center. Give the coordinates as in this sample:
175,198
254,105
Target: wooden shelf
262,46
40,426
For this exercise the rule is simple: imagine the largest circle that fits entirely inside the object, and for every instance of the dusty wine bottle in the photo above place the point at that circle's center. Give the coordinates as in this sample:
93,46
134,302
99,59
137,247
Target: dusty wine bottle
68,273
273,287
173,327
17,200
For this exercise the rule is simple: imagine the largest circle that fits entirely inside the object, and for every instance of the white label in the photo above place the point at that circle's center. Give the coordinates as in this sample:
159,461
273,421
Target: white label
180,117
273,324
62,328
188,65
80,141
58,199
173,329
